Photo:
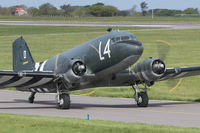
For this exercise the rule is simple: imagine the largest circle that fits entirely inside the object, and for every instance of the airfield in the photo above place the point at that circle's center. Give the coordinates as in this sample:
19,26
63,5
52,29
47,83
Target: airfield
161,112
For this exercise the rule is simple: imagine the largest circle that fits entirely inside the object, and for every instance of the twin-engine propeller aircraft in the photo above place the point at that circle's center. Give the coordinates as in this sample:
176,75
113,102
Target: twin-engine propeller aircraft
101,62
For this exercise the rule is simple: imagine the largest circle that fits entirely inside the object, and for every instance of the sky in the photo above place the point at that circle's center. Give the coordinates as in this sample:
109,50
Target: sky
120,4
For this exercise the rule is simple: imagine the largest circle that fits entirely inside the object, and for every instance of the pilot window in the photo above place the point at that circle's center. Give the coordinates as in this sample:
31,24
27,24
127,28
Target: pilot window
125,38
121,38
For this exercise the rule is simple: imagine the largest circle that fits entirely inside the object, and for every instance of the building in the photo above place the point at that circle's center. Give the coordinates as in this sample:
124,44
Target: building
19,12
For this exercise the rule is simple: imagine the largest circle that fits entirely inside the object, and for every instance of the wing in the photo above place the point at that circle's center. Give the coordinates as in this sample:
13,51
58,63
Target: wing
174,73
25,79
127,78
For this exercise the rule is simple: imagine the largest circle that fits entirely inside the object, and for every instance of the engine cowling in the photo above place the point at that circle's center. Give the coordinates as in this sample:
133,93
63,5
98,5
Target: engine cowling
149,70
76,70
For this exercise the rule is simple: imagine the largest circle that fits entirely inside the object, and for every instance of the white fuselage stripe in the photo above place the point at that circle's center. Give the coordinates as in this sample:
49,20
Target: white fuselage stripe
42,66
37,64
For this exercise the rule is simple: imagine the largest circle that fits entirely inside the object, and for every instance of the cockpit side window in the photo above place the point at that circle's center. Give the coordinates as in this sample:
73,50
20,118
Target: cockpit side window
117,39
125,38
121,38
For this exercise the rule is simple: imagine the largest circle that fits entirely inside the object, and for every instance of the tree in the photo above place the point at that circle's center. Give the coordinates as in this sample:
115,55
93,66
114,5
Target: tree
4,11
191,11
36,12
102,11
144,8
166,12
68,9
99,4
47,9
123,13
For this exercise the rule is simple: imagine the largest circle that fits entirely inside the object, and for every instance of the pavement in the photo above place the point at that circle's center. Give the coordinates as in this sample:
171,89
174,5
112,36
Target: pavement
168,26
174,113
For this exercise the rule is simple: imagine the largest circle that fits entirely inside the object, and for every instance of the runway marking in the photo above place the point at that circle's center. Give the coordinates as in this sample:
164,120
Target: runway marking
176,86
87,94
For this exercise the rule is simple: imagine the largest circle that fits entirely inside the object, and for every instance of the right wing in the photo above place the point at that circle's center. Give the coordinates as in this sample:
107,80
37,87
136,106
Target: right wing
25,79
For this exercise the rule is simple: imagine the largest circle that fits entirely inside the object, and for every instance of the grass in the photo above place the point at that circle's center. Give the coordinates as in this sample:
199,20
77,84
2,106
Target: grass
139,19
184,52
37,124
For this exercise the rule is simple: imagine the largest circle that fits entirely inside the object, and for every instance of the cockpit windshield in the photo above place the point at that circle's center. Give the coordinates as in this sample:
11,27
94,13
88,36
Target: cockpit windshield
122,38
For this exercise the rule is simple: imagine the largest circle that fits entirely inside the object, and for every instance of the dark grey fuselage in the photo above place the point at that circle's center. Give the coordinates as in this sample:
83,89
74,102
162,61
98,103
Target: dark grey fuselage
104,56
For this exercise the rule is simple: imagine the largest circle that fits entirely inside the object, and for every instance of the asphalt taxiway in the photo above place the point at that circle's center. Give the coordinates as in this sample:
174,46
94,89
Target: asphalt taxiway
186,114
165,26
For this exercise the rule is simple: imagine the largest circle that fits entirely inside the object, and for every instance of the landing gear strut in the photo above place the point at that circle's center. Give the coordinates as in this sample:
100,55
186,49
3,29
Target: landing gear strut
141,97
63,98
31,97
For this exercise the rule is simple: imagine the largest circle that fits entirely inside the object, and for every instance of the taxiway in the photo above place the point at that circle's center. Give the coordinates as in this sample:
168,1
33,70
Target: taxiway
186,114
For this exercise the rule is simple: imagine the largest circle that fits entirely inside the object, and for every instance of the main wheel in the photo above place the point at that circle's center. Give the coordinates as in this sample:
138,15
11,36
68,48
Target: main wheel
143,99
64,102
31,99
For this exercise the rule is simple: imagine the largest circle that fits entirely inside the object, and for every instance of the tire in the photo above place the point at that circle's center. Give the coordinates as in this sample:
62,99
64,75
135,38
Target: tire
31,99
143,99
64,101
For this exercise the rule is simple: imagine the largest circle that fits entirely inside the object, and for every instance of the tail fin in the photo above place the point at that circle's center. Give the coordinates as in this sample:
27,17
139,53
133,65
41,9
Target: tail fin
22,58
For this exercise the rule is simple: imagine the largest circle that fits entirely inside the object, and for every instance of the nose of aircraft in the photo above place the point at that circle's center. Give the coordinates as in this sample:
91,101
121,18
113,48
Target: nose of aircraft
136,46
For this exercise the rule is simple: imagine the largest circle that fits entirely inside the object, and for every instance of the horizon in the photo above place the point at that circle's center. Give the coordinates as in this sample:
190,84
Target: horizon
125,5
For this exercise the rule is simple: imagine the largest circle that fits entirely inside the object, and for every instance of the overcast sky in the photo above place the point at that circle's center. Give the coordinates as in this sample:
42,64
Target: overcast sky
120,4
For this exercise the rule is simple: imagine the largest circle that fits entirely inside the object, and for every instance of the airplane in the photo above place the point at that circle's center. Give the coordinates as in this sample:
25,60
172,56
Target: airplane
101,62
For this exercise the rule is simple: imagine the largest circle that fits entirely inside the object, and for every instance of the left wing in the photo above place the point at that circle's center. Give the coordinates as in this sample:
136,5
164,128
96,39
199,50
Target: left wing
25,79
127,78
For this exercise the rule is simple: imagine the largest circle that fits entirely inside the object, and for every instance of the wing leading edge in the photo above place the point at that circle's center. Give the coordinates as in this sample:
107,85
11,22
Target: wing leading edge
180,72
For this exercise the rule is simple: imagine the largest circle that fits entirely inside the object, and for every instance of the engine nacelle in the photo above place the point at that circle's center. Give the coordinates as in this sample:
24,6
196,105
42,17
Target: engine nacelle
76,70
149,70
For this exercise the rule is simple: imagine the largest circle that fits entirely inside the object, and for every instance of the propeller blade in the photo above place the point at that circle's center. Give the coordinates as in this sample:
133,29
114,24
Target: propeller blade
163,48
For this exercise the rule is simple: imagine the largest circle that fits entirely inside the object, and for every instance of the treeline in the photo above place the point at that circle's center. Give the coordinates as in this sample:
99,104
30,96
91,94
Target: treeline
97,10
167,12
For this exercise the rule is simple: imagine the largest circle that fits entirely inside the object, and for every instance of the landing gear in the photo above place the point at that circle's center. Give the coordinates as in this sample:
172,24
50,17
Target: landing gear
141,97
63,101
63,97
31,97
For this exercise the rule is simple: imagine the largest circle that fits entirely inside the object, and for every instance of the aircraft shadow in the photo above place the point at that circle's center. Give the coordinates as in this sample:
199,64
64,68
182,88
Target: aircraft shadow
82,106
52,104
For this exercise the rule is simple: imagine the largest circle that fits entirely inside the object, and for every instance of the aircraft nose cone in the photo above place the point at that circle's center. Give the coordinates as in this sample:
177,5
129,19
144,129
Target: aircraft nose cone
136,45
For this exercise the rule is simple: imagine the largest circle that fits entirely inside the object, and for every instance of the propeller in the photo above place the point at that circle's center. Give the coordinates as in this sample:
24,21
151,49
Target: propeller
163,48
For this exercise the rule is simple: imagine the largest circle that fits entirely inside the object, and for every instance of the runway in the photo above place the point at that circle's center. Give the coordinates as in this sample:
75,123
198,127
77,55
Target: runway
165,26
185,114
